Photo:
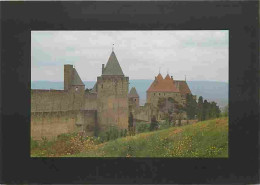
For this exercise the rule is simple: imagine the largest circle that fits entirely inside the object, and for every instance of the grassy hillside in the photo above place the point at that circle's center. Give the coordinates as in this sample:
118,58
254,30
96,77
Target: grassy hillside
203,139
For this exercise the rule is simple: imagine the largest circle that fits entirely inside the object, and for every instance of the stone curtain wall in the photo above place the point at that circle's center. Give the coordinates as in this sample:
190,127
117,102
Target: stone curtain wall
55,100
90,120
52,124
54,112
143,113
90,101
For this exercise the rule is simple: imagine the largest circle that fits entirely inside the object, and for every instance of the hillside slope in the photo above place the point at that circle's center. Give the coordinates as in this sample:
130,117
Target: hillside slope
204,139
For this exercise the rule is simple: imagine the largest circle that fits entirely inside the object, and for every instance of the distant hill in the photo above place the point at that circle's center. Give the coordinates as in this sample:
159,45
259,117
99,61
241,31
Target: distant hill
210,90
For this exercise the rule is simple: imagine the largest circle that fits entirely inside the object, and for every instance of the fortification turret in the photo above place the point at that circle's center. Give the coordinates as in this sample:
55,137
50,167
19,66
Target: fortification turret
72,81
68,70
133,97
112,99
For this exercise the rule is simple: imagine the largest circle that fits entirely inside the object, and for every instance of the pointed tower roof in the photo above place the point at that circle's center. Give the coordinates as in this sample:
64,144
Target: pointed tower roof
183,87
75,78
133,93
113,66
159,77
167,77
163,85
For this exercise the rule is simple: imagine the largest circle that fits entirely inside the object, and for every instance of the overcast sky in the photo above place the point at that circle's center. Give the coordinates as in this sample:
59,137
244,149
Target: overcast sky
201,55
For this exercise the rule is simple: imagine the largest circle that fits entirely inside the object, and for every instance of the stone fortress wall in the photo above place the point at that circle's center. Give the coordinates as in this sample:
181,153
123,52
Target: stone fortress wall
54,112
143,113
74,109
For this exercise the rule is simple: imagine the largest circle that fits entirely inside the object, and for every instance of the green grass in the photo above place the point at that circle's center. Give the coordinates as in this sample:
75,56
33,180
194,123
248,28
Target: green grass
207,139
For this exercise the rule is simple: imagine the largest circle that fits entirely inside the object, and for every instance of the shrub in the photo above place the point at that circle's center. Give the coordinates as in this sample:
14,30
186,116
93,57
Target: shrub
64,144
154,124
142,127
34,144
131,128
164,125
125,133
111,134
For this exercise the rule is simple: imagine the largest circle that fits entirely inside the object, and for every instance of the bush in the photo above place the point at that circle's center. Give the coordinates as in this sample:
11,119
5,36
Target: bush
64,144
34,144
154,124
164,125
112,133
131,128
66,136
142,127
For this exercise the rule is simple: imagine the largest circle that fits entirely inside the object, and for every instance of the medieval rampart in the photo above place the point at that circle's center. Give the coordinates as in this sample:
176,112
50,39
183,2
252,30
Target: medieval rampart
143,113
55,100
90,101
52,124
54,112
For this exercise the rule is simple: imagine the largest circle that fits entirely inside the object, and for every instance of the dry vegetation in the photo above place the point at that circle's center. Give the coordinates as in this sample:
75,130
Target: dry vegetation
204,139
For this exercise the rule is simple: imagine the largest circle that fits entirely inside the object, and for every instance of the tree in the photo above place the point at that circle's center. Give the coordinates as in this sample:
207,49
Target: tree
131,124
200,108
154,124
191,106
225,111
206,110
218,112
213,110
161,103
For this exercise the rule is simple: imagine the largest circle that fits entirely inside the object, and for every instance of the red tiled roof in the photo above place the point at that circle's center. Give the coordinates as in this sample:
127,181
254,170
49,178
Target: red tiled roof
183,87
167,77
159,77
162,85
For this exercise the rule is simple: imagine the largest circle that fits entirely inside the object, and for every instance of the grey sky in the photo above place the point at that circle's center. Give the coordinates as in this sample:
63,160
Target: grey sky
201,55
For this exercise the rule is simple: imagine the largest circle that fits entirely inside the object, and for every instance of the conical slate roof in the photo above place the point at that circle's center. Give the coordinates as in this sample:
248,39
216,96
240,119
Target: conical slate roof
133,93
113,66
76,79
